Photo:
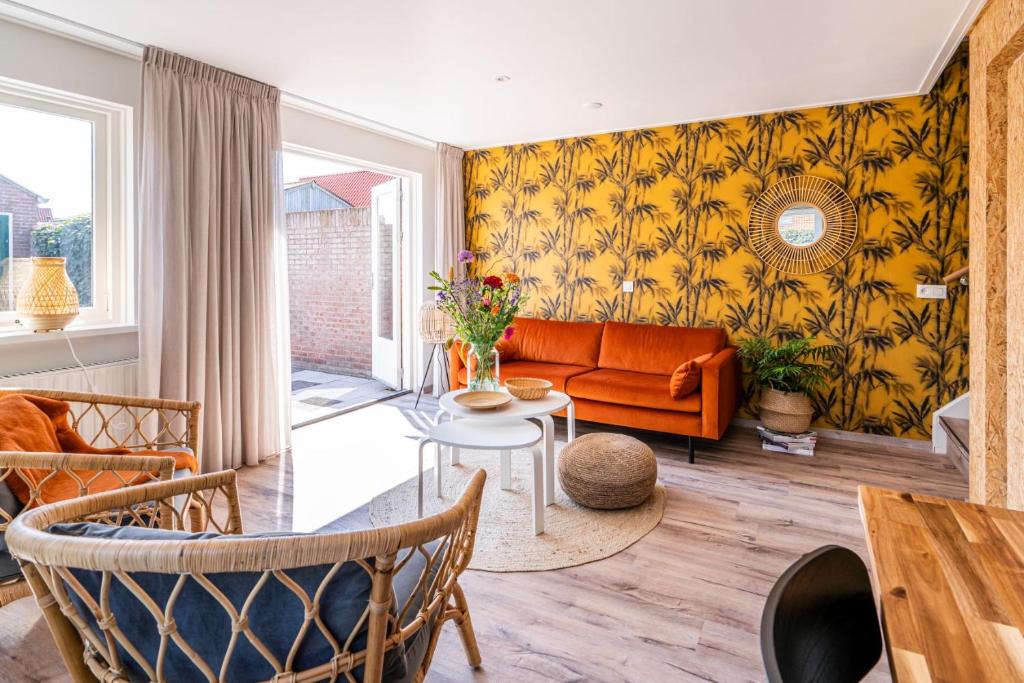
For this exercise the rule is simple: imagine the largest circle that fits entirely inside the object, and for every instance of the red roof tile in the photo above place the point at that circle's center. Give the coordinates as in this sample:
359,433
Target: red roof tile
353,187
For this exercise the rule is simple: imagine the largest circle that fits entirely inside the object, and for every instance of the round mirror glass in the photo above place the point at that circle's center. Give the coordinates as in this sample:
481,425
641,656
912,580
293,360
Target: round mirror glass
801,225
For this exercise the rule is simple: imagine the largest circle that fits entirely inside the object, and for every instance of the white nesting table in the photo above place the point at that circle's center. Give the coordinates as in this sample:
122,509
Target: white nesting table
488,435
539,410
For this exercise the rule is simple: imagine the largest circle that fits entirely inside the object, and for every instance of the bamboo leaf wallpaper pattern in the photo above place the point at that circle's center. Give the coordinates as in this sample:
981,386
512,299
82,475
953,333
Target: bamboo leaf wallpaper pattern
667,209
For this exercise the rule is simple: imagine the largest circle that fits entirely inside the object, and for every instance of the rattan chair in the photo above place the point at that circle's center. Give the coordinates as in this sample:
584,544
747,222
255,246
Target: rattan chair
89,587
104,421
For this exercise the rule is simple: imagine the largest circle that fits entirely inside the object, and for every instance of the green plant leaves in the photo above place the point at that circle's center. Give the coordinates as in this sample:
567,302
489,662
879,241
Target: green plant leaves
794,366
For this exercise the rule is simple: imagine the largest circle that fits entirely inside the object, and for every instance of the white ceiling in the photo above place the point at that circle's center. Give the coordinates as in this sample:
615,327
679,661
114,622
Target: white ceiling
429,67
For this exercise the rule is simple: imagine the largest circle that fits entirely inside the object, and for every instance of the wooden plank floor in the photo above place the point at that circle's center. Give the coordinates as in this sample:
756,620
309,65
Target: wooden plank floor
682,604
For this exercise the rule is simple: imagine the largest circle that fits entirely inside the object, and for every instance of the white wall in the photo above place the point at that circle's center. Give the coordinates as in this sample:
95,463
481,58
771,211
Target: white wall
44,58
47,59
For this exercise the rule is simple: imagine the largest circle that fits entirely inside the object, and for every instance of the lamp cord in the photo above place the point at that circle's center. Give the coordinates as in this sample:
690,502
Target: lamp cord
88,377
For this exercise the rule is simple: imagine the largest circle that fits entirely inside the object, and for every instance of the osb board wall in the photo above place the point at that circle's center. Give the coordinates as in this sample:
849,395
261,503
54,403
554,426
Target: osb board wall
997,229
666,208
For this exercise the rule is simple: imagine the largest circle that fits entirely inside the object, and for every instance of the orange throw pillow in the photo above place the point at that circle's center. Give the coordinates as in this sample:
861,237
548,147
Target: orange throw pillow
686,378
31,423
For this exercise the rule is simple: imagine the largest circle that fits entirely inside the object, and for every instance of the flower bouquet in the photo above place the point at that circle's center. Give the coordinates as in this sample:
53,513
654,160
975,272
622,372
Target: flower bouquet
482,309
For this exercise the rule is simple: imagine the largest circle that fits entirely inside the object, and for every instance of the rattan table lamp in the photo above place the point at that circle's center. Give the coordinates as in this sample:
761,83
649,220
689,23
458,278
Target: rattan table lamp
48,301
435,329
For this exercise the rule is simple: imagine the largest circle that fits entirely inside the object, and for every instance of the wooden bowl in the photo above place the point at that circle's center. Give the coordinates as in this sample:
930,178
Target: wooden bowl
528,388
483,400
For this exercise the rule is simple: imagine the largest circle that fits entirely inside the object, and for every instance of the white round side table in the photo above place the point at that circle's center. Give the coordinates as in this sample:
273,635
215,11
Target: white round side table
540,410
489,435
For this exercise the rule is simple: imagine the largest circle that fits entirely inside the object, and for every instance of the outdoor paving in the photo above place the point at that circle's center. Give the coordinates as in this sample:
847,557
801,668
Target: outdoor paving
320,394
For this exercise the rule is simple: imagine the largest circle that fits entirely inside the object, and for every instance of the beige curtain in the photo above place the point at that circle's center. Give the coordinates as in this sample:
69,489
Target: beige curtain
210,304
451,206
450,219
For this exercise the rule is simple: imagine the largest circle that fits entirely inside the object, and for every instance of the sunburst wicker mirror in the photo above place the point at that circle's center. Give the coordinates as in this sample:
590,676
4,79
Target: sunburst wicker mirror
802,225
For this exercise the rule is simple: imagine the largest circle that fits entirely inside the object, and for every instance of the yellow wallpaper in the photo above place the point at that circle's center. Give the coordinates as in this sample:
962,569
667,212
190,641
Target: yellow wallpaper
667,208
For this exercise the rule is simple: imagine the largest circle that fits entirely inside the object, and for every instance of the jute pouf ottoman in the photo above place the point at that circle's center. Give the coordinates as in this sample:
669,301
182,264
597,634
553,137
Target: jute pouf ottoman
607,471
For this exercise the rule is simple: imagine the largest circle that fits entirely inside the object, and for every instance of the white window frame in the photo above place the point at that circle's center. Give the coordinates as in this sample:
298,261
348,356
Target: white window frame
10,248
113,206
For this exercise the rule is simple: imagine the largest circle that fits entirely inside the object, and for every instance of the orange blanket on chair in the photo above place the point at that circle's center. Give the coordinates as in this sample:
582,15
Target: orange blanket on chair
36,424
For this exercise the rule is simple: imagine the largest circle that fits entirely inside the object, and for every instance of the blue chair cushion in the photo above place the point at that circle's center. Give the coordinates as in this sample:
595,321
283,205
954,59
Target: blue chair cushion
275,617
404,584
8,566
12,506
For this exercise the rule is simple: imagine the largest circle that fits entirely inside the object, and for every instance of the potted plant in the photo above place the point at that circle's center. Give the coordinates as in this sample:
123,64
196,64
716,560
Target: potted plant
482,308
786,374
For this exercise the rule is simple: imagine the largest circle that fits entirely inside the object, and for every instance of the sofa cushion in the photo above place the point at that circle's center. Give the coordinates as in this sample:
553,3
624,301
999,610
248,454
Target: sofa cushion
655,349
686,379
506,350
556,341
276,614
556,374
631,389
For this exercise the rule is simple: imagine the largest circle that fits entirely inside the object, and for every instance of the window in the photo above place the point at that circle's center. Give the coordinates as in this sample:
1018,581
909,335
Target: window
65,191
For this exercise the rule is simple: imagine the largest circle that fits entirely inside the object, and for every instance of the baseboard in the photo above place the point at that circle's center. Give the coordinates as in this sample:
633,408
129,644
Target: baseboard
857,437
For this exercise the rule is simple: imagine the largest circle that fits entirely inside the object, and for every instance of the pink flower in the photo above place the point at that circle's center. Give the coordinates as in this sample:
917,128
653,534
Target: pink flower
508,332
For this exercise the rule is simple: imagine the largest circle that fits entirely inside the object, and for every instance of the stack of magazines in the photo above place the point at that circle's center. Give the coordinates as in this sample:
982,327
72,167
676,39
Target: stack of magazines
794,444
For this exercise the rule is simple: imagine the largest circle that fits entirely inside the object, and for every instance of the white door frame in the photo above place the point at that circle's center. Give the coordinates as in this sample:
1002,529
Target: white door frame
413,271
386,345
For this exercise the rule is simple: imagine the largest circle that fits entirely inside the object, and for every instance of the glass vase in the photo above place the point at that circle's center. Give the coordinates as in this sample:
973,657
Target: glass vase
483,368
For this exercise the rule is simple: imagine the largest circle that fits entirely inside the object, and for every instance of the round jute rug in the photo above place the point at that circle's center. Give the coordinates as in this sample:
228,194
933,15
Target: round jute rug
573,534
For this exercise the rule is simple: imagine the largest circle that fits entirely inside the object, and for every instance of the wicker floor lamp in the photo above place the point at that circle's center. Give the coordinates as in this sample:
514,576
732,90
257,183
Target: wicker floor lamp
435,329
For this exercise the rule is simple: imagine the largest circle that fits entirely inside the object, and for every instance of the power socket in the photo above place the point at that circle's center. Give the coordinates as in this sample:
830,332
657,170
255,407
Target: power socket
931,291
627,285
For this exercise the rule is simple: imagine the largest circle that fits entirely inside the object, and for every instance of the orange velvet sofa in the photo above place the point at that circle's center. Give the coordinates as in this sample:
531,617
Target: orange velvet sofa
619,373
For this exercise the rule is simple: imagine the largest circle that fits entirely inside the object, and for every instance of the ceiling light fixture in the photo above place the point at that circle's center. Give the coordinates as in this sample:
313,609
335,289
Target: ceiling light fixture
593,105
503,78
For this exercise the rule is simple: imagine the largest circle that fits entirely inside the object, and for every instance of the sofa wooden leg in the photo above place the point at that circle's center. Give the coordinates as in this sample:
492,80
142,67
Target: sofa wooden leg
689,449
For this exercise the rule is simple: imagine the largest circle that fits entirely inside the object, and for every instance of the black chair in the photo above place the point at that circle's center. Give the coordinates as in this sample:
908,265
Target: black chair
819,624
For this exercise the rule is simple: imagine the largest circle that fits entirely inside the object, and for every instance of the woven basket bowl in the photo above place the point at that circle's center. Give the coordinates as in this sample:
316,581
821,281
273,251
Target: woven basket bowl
528,388
783,411
607,471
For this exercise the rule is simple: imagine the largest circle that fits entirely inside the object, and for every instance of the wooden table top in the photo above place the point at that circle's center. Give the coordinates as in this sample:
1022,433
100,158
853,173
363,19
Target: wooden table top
949,581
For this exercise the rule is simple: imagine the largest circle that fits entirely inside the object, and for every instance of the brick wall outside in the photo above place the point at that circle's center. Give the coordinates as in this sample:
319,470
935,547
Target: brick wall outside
329,290
24,217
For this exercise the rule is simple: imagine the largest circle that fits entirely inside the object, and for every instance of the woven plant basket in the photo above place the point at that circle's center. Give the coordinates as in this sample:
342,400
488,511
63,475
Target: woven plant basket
784,411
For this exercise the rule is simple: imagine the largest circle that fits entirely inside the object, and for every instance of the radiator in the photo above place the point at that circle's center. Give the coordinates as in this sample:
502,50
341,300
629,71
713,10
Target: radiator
119,377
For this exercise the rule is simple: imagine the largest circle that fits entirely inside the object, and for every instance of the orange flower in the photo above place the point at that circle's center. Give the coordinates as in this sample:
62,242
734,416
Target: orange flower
512,277
495,309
